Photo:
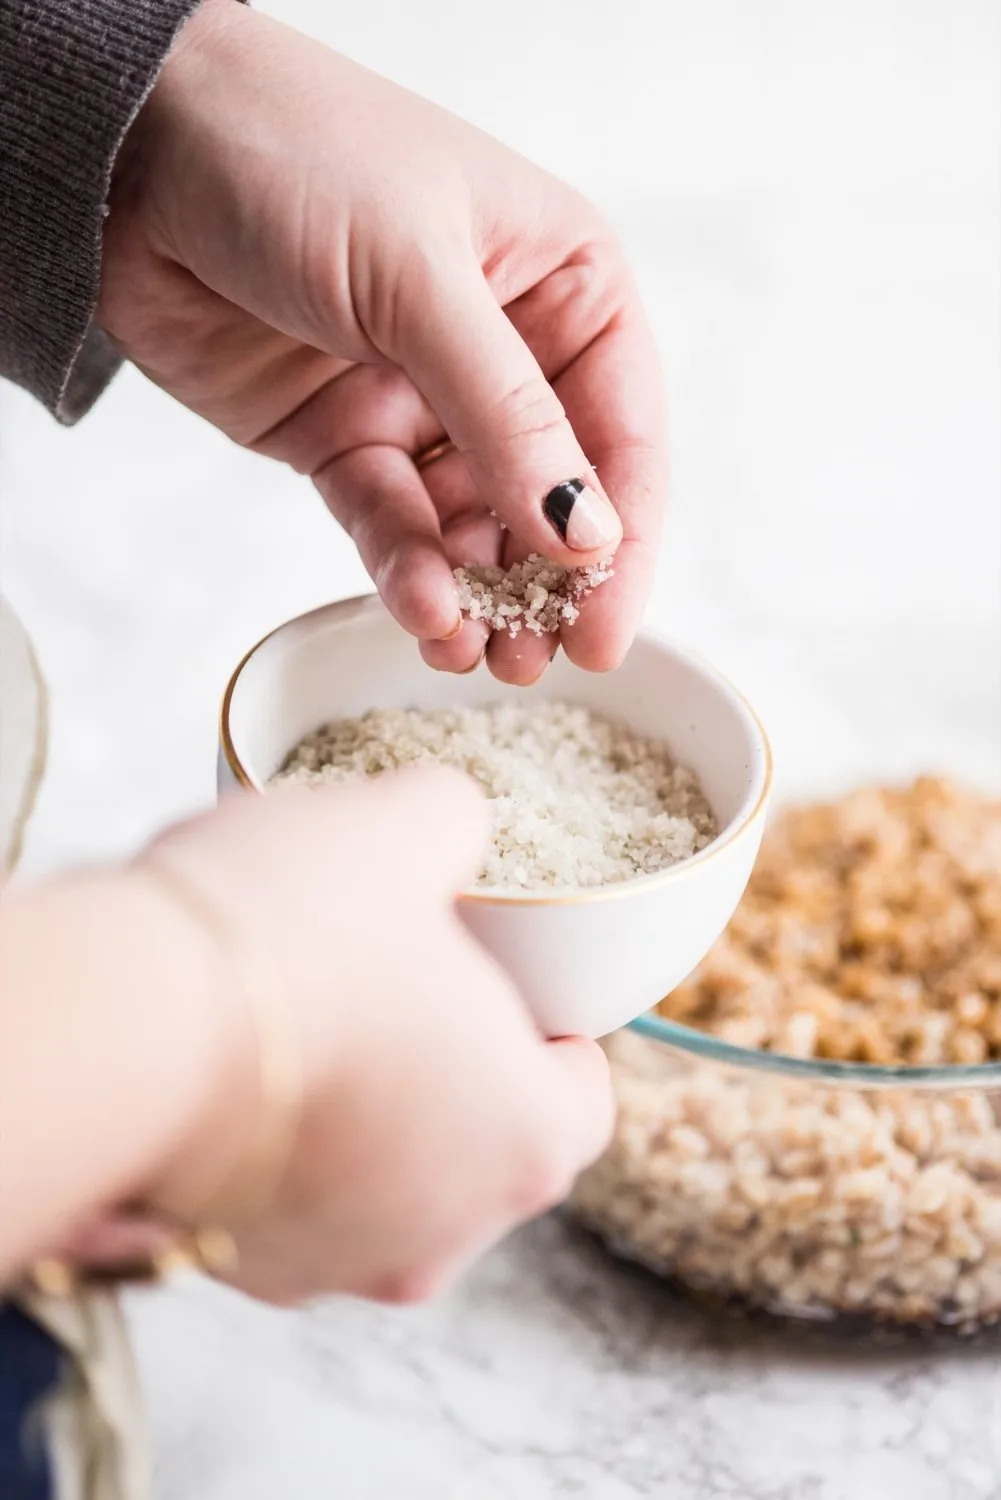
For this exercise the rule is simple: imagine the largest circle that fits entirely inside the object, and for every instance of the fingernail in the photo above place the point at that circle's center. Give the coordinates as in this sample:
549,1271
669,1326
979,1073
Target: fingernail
453,632
584,519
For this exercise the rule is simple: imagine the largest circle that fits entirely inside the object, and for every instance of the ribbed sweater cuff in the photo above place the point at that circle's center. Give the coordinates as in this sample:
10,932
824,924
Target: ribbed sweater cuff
73,76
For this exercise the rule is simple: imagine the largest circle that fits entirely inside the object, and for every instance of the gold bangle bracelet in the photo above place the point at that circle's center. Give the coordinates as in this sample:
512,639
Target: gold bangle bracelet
279,1052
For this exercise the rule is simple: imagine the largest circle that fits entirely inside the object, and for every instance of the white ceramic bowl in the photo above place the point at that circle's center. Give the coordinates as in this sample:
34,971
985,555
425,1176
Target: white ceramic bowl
586,961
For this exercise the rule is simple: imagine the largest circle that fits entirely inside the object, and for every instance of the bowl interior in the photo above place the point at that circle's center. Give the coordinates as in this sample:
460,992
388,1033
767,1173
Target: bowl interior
345,658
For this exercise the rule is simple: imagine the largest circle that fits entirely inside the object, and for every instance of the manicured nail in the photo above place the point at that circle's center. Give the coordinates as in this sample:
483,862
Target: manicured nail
584,519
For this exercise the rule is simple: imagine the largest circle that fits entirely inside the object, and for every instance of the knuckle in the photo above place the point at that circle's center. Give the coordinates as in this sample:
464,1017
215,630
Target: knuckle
594,283
381,384
394,576
529,409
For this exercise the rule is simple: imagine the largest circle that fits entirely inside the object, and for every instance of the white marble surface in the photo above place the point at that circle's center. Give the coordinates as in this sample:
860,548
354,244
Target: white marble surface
811,198
550,1373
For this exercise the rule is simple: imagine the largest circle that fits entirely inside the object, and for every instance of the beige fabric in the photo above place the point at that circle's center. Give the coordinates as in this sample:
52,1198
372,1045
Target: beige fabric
95,1423
23,733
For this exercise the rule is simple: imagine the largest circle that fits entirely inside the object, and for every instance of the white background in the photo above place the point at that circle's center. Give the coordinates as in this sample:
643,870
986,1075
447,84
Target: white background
810,193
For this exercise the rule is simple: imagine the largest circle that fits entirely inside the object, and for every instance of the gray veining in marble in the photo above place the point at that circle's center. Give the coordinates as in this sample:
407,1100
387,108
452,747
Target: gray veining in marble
551,1371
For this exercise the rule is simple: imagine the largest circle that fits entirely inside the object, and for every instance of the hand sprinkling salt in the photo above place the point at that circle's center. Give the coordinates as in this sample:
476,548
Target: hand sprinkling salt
535,595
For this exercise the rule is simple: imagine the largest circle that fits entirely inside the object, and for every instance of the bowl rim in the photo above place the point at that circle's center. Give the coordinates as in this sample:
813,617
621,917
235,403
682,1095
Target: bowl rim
749,814
815,1069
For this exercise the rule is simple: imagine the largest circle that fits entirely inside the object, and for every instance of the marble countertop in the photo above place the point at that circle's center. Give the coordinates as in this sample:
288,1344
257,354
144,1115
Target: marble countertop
551,1371
810,197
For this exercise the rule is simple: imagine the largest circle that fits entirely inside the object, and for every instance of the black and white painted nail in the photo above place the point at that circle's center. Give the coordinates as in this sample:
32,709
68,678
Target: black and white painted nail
583,519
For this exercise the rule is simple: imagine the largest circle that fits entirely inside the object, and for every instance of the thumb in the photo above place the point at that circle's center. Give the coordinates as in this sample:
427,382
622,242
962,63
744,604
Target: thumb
477,373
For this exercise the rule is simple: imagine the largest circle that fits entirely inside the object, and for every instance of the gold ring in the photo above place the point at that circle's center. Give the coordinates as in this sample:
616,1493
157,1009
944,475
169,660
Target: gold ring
432,454
213,1252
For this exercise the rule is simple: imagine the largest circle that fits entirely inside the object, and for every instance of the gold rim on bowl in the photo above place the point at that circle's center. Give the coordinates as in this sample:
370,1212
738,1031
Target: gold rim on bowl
615,892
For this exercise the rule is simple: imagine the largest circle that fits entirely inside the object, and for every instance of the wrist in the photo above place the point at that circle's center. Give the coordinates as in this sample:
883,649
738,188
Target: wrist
199,45
241,1150
181,88
199,36
126,1064
210,1134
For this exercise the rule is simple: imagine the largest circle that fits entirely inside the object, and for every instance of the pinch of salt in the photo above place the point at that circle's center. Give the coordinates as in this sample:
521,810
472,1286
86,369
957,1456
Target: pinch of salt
535,594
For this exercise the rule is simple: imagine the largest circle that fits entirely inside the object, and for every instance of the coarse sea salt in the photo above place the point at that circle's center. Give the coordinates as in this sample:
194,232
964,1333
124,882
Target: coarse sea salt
576,799
535,595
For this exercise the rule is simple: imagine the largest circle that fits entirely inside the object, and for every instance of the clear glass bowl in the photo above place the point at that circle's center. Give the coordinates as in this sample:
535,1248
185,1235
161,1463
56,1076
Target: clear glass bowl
819,1191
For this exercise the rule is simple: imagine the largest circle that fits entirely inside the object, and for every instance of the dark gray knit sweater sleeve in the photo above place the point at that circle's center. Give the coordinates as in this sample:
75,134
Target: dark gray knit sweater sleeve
73,74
